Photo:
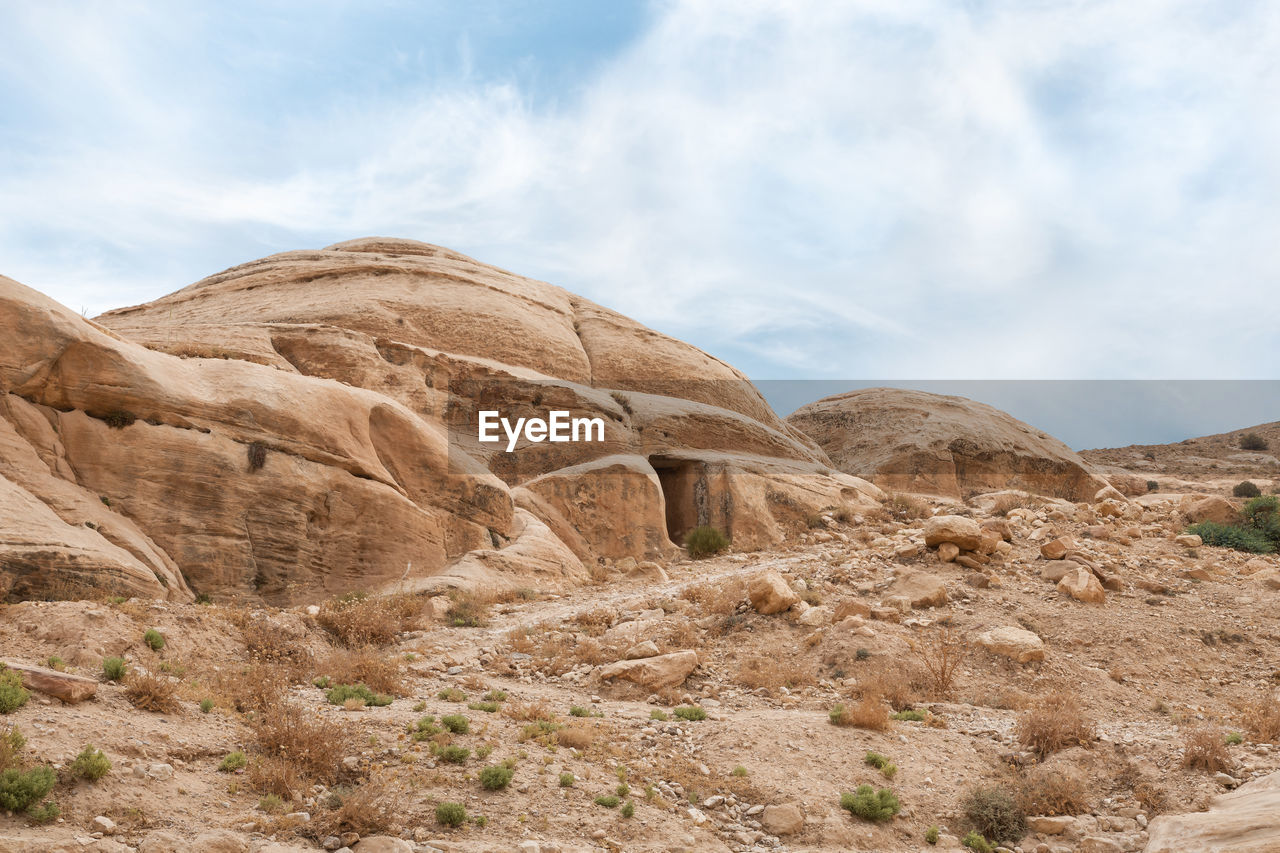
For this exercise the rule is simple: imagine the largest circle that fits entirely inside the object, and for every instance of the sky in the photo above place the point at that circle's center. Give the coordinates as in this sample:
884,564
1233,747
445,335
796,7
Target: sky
870,191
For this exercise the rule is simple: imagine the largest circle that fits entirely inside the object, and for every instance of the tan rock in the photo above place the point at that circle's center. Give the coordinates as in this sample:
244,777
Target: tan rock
1049,825
1016,643
851,607
785,819
948,551
62,685
1243,821
640,651
916,441
1081,585
1189,540
1056,549
1269,578
962,532
669,670
770,594
919,589
382,844
815,617
1215,509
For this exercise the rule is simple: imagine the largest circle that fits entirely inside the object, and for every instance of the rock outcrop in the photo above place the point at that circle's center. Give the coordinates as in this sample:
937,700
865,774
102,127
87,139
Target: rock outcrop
1242,821
306,425
929,443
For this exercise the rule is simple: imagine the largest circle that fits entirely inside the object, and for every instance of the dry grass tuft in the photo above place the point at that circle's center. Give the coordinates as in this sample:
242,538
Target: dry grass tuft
253,688
1051,792
772,671
1055,722
268,644
1261,719
273,774
906,508
576,737
719,597
357,620
892,682
1205,749
368,810
941,653
311,744
152,692
526,712
596,621
366,666
867,713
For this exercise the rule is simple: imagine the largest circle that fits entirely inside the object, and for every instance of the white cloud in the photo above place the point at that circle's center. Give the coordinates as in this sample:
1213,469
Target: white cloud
892,189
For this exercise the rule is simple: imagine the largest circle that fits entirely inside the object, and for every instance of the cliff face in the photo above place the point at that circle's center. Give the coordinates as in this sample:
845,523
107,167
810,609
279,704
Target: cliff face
304,425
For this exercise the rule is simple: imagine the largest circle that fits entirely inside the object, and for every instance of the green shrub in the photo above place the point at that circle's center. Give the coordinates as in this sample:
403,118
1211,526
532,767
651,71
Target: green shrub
206,705
692,713
487,707
341,693
90,764
870,804
1252,441
609,801
1246,489
452,694
451,814
628,809
910,715
740,771
154,639
11,744
233,761
659,715
879,762
931,835
46,812
271,804
566,780
495,777
1234,738
705,541
1229,536
496,696
456,723
424,729
22,789
55,662
114,669
994,813
1153,486
975,842
455,754
12,694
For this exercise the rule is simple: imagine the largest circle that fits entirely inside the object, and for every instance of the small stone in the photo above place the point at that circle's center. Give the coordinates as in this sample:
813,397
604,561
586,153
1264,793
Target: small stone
104,824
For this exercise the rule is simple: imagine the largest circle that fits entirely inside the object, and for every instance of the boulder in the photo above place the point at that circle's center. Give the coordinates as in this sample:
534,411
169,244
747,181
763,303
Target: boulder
1056,549
934,444
1215,509
964,533
770,594
1081,585
640,651
669,670
62,685
1189,540
1016,643
948,552
1242,821
785,819
382,844
918,589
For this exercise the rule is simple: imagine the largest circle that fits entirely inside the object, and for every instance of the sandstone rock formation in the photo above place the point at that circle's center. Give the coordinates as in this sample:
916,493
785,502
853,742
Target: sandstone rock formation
305,425
1243,821
928,443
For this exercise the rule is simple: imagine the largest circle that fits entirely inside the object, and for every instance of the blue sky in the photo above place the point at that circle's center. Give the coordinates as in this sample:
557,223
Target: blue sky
879,190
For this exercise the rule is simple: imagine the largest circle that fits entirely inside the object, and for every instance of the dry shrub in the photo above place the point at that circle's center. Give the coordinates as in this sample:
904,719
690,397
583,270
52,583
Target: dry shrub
1055,722
311,744
773,671
1152,796
1261,719
591,651
1052,792
941,653
677,634
595,622
892,682
575,737
253,688
906,508
1205,749
527,712
719,597
152,692
521,640
368,810
268,644
365,666
867,713
1004,504
274,774
357,620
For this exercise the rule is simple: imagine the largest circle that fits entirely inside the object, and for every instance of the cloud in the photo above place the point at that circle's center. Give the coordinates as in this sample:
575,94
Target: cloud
868,190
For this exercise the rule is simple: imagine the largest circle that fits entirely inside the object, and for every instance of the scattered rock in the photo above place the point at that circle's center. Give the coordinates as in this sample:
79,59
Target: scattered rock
668,670
1016,643
964,533
770,594
785,819
1081,585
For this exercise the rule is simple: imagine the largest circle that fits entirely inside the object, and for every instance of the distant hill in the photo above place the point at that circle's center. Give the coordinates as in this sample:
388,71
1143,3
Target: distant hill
1216,461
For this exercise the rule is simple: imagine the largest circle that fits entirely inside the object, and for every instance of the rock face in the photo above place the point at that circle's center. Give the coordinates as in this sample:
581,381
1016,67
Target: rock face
307,424
919,442
1016,643
1243,821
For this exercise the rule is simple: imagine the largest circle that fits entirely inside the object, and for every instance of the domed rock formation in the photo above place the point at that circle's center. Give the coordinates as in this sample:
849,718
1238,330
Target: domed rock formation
929,443
306,425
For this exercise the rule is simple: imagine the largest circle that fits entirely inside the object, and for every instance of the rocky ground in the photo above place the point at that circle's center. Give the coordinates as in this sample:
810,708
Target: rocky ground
999,620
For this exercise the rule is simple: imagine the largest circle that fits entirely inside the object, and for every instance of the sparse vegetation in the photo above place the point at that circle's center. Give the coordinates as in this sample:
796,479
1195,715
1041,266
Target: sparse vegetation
692,713
91,764
1252,441
910,715
452,694
1055,722
233,761
941,652
976,842
1052,792
22,790
154,639
705,541
931,835
149,692
343,693
357,620
994,813
12,694
451,814
566,780
114,669
1261,719
886,767
867,713
456,723
496,777
869,804
1205,749
454,754
1246,489
609,801
1231,536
